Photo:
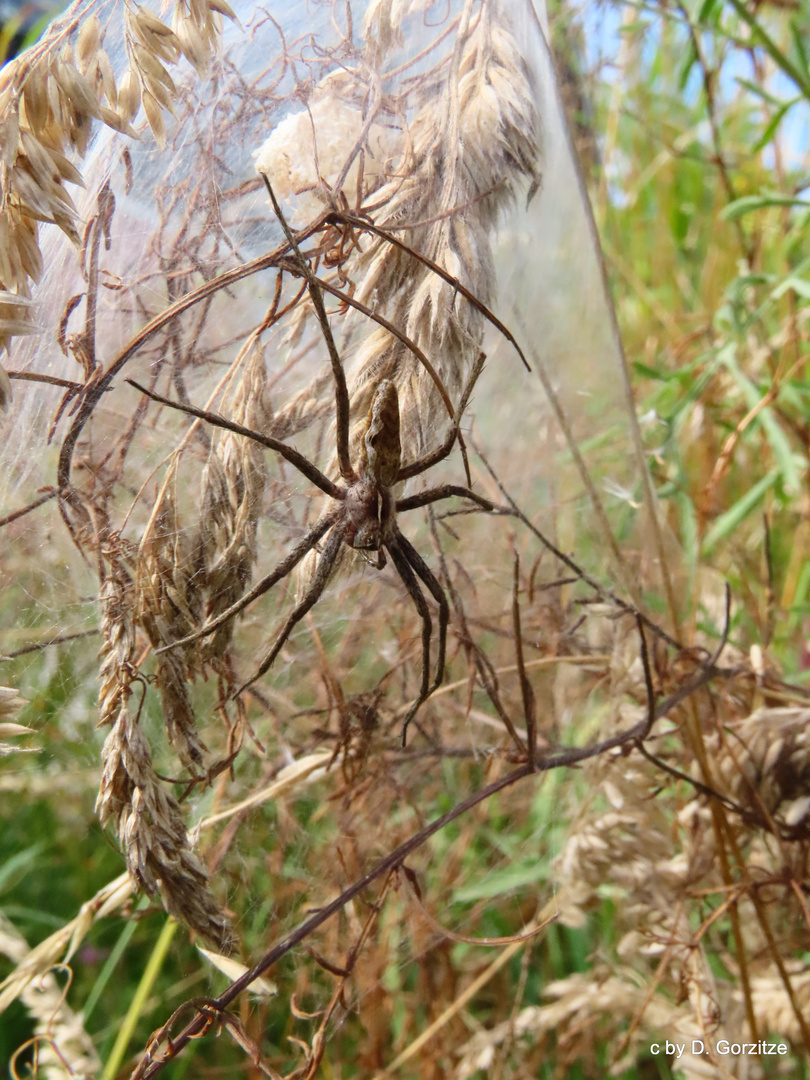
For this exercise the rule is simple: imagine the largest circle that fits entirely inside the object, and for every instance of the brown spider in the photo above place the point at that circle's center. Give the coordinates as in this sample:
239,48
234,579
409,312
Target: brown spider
365,517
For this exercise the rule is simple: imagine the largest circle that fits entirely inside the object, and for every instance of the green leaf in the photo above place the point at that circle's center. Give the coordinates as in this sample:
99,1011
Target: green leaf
777,439
686,65
798,50
770,128
725,525
708,11
689,528
801,286
680,220
509,880
798,607
760,36
18,865
659,375
111,964
760,91
749,203
738,287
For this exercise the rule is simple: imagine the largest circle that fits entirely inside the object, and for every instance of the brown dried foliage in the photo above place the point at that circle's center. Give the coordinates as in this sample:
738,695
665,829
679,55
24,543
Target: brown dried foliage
692,812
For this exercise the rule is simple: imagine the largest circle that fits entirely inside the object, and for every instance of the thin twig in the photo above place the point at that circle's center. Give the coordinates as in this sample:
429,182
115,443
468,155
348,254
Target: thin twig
601,591
527,694
40,645
565,758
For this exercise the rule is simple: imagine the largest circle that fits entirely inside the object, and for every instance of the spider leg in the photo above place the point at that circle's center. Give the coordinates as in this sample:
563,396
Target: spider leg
322,574
289,453
305,544
441,452
412,585
423,498
437,592
341,390
364,221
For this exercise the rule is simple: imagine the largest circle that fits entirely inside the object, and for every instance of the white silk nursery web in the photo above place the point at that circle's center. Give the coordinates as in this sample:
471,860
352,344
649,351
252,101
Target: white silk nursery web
419,163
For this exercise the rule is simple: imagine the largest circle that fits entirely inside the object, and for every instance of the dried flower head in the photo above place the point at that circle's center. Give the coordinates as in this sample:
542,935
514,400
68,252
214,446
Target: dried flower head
64,1048
147,818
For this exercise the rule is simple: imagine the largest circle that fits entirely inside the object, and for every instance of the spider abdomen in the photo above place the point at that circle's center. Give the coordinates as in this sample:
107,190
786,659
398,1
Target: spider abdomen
381,450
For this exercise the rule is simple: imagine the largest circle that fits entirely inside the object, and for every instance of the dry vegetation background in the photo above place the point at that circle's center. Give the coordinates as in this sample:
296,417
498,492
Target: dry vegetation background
595,839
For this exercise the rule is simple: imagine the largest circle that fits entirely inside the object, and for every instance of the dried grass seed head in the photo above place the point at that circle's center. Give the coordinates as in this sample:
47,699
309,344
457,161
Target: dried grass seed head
63,93
443,188
233,484
152,832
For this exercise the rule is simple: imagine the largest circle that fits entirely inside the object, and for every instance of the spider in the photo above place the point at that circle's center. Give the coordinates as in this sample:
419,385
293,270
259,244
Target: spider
365,515
365,519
